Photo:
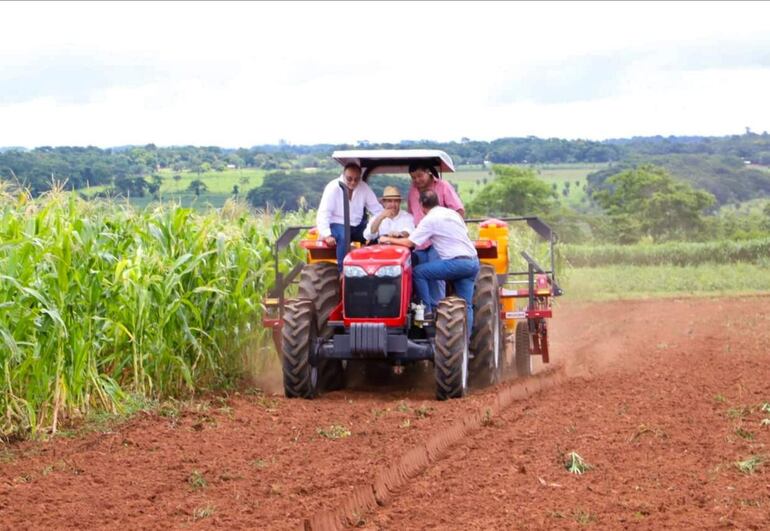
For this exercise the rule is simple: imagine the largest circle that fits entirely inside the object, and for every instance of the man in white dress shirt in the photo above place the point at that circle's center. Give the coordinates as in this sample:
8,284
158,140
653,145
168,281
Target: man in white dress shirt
392,221
458,262
330,219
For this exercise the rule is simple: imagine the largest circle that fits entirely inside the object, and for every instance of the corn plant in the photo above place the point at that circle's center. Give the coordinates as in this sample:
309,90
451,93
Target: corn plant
100,303
576,464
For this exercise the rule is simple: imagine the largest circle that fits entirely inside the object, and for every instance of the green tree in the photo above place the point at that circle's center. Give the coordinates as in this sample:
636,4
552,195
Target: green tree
648,201
197,187
515,191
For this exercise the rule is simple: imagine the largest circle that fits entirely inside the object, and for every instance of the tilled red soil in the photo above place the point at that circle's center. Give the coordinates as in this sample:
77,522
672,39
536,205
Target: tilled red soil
664,398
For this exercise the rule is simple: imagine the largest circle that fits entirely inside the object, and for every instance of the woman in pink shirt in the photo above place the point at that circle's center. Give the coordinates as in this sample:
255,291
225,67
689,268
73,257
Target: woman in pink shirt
424,178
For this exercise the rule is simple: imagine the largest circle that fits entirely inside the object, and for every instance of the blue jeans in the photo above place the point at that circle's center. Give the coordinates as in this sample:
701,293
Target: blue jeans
461,271
356,234
437,287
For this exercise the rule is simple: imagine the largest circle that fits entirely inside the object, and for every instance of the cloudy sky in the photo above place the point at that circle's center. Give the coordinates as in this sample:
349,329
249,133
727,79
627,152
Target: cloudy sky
240,74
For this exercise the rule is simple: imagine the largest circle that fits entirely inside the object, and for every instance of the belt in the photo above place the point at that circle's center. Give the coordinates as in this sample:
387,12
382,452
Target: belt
464,258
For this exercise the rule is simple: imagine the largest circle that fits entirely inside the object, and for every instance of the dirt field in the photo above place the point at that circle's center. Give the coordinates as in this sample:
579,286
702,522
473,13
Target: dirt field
662,399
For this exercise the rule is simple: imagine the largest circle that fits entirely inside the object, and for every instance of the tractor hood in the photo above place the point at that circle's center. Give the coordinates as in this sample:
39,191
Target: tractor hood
372,257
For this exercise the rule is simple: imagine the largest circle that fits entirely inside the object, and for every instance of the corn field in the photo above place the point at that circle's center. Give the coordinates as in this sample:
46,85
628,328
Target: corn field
100,303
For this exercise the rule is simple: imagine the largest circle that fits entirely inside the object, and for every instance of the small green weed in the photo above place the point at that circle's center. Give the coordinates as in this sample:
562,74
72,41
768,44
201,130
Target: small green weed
719,398
744,434
576,464
259,463
380,412
486,418
423,411
196,480
750,464
203,512
738,412
584,517
402,407
334,431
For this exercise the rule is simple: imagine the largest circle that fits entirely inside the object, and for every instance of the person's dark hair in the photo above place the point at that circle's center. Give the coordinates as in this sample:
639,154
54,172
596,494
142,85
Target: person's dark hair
413,167
428,199
352,165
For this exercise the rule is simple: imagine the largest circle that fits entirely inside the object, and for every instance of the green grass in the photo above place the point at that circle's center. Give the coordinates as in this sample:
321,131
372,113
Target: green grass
575,174
470,179
218,182
669,253
752,206
219,187
633,282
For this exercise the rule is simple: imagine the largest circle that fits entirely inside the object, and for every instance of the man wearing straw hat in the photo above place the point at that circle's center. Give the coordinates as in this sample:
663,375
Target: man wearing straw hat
392,221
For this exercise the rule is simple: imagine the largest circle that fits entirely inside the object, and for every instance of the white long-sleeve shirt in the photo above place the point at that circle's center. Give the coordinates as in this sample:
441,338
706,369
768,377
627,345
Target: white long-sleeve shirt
447,230
331,208
403,222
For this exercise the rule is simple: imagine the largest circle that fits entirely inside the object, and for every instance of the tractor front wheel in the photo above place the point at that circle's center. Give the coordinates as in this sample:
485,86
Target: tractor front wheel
320,283
300,378
450,353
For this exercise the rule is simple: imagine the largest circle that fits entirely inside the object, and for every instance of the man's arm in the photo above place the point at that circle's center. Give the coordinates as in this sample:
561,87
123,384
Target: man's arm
323,215
403,242
420,235
372,229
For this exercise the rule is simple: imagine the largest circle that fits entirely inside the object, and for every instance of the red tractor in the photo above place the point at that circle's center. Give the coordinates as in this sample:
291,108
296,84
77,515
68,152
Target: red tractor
371,315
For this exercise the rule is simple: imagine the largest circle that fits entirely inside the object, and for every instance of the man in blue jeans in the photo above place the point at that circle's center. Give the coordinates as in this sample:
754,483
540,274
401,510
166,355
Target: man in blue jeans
458,261
330,218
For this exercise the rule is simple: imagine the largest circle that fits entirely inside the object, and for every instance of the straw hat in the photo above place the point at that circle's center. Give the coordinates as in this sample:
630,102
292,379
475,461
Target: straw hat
391,192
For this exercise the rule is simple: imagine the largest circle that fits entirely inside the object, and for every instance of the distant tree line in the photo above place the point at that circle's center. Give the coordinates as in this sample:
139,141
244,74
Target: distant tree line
121,166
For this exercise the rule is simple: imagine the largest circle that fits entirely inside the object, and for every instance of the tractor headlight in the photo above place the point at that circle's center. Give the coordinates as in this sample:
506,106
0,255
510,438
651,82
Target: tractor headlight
391,271
354,272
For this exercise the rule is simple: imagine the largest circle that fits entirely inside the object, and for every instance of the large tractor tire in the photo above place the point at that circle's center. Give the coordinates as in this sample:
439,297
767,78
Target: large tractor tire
320,283
485,365
522,351
450,356
300,378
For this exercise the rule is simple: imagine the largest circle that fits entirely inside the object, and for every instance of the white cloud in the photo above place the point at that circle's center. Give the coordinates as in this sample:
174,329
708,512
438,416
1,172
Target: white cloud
238,74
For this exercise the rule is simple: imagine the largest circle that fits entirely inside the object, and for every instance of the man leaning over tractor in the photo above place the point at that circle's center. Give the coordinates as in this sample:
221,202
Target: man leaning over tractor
330,218
457,261
392,221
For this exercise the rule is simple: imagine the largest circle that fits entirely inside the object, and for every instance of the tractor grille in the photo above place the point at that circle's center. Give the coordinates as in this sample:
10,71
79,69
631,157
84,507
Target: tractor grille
372,297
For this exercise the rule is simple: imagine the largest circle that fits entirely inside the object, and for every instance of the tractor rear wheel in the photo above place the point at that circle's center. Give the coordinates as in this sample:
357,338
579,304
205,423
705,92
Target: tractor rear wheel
300,378
484,367
450,352
522,350
320,283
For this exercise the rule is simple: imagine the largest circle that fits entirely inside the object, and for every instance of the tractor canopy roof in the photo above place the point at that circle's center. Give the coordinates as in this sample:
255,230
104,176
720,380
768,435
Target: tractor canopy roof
393,160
